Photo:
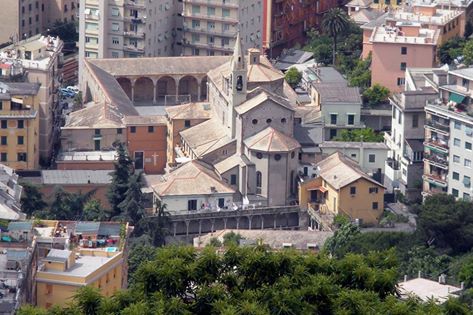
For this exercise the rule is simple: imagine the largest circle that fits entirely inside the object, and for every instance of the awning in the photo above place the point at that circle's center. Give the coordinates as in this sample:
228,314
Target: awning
457,98
319,188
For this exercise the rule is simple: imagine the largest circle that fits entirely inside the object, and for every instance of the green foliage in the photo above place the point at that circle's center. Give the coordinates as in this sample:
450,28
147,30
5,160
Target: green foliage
357,135
31,199
65,30
139,254
244,280
77,102
466,273
93,211
340,220
120,179
426,260
447,223
65,205
360,74
293,77
131,207
231,238
341,237
375,95
215,242
334,23
451,49
468,53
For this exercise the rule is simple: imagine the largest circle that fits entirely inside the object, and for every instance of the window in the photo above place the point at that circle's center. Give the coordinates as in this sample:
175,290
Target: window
456,176
192,204
466,197
403,66
195,9
210,11
333,133
401,81
333,119
268,121
457,125
455,192
394,113
351,119
293,154
20,140
277,157
415,121
373,190
119,131
456,159
375,206
371,158
456,142
352,190
187,123
259,179
468,146
4,140
467,163
225,12
4,124
115,12
259,155
115,27
97,132
21,157
221,202
233,179
467,181
150,129
133,129
3,156
97,145
283,120
21,124
115,40
403,50
353,155
254,121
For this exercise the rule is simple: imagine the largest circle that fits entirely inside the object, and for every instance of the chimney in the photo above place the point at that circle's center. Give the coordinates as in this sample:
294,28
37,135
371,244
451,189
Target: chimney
419,274
405,278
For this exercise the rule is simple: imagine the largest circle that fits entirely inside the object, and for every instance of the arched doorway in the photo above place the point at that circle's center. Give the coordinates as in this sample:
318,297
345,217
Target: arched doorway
189,85
126,85
144,89
165,86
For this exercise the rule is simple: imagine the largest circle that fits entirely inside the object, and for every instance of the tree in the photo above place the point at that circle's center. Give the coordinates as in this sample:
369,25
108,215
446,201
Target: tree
231,238
375,95
358,135
131,207
65,30
293,77
451,49
341,237
93,211
468,53
334,22
361,74
155,228
31,199
77,102
88,300
120,179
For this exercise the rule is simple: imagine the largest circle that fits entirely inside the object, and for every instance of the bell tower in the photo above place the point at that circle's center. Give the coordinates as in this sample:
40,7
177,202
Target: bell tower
239,74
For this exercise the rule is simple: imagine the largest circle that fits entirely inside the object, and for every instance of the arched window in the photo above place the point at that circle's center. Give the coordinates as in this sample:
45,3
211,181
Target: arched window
259,179
239,83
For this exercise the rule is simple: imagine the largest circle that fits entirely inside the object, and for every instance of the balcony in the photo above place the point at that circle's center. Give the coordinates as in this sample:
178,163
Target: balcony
133,49
215,3
437,180
135,19
206,31
392,169
132,4
436,160
133,34
439,146
433,191
207,46
437,126
226,19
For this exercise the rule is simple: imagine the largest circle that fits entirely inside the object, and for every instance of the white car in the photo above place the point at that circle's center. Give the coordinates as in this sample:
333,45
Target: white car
74,89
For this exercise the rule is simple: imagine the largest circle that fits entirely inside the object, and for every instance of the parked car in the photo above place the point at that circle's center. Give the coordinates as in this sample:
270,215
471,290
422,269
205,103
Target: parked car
67,93
74,89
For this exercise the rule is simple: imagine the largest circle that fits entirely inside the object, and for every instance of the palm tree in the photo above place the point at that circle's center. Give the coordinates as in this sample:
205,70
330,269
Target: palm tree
334,22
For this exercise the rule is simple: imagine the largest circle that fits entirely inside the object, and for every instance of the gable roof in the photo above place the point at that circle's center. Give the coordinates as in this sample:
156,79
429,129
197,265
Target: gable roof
340,171
189,111
259,99
271,140
192,178
205,137
337,93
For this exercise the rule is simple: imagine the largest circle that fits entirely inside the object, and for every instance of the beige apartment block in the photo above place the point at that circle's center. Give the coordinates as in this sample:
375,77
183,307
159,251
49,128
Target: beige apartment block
210,27
24,18
38,60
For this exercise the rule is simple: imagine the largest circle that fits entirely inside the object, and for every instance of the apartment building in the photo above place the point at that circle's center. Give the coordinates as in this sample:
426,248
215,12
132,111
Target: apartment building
287,22
449,138
24,18
408,37
210,27
128,28
404,166
38,60
19,125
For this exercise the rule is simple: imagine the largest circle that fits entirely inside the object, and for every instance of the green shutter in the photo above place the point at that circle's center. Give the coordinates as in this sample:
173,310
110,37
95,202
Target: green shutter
457,98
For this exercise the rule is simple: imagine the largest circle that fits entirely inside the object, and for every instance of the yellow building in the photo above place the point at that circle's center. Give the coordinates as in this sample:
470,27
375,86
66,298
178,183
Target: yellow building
62,272
341,187
19,124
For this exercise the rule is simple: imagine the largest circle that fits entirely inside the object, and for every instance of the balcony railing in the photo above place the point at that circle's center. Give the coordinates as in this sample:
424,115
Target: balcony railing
436,160
443,127
212,18
228,34
134,5
131,48
134,34
440,181
215,3
436,145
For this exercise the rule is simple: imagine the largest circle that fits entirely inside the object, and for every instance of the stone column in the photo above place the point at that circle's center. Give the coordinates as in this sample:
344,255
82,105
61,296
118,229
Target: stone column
155,83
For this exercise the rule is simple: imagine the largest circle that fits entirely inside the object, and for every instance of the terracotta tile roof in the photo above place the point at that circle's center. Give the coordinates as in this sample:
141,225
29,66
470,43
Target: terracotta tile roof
190,111
359,3
259,99
271,140
205,137
339,171
145,120
93,116
192,178
231,162
159,65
